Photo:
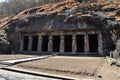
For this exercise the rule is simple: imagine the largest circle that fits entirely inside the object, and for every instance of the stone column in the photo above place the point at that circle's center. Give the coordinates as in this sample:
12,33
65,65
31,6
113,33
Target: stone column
86,44
100,44
74,45
50,44
62,44
30,43
39,43
21,44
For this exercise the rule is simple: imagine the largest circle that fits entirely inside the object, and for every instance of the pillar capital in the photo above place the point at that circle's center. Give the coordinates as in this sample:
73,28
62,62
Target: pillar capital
50,37
86,35
62,37
30,37
74,37
39,37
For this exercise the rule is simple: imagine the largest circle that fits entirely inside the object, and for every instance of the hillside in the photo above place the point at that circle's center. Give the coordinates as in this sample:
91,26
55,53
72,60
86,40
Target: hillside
72,9
103,14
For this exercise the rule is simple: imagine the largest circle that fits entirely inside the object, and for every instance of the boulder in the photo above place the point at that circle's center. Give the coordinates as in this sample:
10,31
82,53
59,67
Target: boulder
116,53
118,62
4,44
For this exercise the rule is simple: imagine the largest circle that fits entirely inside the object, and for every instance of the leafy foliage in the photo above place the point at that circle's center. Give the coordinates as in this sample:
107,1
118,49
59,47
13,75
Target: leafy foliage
10,7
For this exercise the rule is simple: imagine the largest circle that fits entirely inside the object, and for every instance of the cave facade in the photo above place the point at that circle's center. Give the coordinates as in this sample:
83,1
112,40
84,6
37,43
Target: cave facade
53,36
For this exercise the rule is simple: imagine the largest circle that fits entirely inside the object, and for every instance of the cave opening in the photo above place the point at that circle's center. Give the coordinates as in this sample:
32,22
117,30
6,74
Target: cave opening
45,44
79,1
93,43
56,43
25,43
34,43
68,43
80,43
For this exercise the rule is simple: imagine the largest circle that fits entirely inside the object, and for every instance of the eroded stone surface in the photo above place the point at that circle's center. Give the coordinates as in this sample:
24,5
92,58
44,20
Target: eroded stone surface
66,15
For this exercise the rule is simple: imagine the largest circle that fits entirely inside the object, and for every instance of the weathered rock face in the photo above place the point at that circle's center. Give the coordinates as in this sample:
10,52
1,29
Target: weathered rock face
118,45
104,15
4,44
116,52
4,48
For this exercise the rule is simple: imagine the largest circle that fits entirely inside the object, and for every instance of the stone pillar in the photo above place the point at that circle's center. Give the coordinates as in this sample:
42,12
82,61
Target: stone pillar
100,44
74,45
86,44
39,43
118,45
21,44
62,44
30,43
50,44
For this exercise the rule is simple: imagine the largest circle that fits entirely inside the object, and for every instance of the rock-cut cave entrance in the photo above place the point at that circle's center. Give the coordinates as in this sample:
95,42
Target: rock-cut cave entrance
80,43
34,43
93,43
25,43
45,44
56,43
68,43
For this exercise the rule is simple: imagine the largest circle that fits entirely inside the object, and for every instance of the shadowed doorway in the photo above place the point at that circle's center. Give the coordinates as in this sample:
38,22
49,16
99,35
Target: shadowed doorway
25,43
80,43
45,44
93,43
56,43
34,43
68,43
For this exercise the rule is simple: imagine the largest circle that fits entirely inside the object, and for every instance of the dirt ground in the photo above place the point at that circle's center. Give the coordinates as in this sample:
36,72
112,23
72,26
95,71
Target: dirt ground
94,68
108,72
68,66
13,56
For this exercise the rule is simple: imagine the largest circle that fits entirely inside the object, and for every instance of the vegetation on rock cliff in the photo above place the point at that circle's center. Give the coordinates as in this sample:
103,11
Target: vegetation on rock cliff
104,15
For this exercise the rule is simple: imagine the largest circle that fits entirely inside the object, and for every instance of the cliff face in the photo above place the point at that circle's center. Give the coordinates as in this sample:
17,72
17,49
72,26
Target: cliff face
104,15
